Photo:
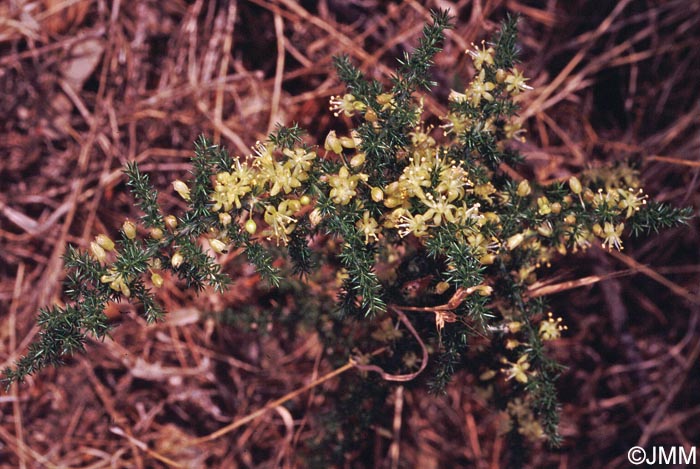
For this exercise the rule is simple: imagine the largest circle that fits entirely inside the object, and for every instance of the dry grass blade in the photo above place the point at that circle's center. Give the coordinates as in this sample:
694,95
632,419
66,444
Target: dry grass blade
651,273
272,405
543,289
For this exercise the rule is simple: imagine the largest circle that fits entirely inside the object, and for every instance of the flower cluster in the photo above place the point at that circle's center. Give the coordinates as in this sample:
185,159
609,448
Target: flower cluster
264,183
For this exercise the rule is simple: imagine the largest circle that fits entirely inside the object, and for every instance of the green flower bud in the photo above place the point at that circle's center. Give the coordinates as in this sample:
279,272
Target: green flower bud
98,252
575,185
129,229
524,188
157,280
170,222
250,226
105,242
182,189
177,260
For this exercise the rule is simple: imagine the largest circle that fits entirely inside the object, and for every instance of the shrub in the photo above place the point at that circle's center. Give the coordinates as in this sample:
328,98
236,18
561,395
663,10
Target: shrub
439,237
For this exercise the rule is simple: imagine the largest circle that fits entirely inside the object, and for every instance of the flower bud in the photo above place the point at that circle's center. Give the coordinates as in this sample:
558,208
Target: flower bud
512,344
442,287
514,241
98,252
315,217
570,219
575,185
347,142
357,160
371,115
385,98
514,326
129,229
225,218
177,260
524,188
217,246
304,200
250,226
392,202
484,290
501,75
556,208
170,222
545,229
488,259
293,205
332,143
597,229
105,242
157,234
377,194
182,189
157,280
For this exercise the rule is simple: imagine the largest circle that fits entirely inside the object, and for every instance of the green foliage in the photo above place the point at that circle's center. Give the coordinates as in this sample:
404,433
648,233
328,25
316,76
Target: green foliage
425,220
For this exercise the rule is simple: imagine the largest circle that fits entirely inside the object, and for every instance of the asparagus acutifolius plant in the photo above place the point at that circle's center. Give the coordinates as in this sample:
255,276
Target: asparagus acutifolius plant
433,224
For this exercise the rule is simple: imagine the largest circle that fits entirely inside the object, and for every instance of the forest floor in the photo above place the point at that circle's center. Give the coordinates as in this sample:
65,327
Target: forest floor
88,85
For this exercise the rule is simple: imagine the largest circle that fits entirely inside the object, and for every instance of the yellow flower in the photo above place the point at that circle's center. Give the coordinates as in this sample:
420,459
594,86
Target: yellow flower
230,188
343,185
116,282
439,208
479,89
280,221
369,227
347,104
377,194
415,177
358,160
544,206
171,222
518,370
612,234
453,181
386,100
456,123
484,191
575,185
415,224
514,130
550,329
250,226
481,56
300,160
225,219
631,200
284,180
516,82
